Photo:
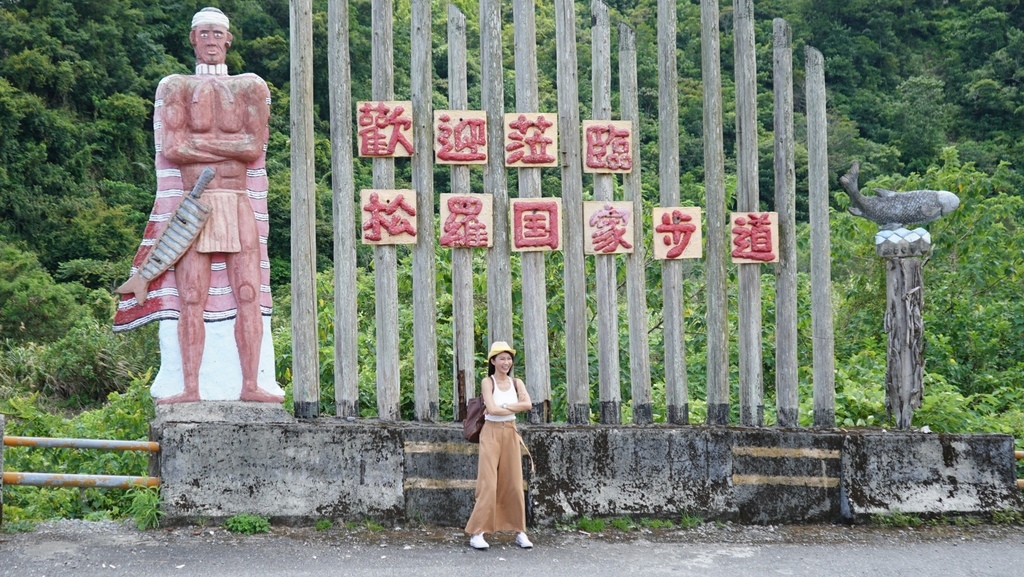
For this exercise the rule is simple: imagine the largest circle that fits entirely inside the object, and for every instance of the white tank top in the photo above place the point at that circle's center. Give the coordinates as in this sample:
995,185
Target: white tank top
501,397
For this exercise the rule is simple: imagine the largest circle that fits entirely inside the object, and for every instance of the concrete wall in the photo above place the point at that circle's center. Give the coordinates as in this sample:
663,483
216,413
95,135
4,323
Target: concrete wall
299,471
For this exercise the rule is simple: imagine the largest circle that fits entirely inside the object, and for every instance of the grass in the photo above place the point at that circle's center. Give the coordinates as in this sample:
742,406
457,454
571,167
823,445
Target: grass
247,524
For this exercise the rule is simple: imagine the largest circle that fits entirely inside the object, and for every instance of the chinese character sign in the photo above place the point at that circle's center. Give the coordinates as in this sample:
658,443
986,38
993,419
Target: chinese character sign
536,224
466,220
531,140
608,146
389,216
677,233
607,227
755,237
460,137
385,128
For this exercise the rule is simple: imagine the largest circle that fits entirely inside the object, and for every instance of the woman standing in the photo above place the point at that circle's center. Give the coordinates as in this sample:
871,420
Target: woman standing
500,505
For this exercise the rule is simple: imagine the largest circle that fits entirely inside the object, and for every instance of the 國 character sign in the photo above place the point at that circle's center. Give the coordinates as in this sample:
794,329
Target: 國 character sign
535,224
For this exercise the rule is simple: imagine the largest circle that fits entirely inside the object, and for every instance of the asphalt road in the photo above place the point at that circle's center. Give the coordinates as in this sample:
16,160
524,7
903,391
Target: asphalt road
81,549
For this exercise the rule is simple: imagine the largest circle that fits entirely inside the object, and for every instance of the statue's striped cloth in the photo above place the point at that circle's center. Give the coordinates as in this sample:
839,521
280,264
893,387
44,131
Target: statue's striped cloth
163,302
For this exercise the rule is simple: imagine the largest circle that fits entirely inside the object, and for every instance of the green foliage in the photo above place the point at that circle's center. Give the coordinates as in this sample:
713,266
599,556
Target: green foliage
145,507
247,524
623,523
1008,517
590,524
896,518
323,524
688,521
656,523
125,416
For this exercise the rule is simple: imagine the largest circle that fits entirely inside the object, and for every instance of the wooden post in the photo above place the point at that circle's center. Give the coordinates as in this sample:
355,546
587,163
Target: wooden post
821,250
787,407
535,302
714,191
904,300
462,258
492,95
668,181
577,370
305,349
424,278
346,319
605,277
385,260
748,200
636,275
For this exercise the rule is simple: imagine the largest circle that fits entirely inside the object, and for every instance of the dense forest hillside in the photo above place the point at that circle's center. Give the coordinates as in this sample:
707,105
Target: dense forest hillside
924,93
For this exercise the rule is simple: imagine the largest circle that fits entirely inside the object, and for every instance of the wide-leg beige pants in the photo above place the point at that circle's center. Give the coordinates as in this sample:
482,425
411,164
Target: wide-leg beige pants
500,504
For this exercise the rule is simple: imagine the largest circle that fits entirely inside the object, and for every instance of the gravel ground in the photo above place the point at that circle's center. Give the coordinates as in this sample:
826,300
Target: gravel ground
75,529
106,548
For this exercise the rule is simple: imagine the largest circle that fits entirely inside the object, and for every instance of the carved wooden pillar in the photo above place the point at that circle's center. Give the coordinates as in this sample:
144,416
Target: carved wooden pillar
904,287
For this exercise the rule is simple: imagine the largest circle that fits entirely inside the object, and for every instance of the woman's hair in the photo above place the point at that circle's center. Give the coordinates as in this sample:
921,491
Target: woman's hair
490,365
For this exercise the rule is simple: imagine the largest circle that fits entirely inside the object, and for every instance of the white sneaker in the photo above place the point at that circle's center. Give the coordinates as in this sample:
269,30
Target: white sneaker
523,541
477,542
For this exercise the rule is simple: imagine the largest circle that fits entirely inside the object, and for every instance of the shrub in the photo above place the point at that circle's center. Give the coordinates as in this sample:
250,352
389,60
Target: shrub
247,524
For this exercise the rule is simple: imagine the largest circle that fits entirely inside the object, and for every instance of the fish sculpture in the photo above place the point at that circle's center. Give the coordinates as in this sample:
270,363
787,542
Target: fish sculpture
893,210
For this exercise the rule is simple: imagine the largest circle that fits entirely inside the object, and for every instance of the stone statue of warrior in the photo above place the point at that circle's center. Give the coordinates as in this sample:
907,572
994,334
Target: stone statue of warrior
203,263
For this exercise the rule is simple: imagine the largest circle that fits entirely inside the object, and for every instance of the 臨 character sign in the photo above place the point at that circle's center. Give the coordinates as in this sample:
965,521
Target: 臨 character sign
608,146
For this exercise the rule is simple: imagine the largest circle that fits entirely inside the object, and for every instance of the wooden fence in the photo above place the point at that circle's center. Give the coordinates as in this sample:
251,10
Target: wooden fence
533,343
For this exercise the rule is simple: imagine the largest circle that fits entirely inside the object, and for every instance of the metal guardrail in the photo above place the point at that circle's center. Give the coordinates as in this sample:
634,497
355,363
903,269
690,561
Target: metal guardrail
67,480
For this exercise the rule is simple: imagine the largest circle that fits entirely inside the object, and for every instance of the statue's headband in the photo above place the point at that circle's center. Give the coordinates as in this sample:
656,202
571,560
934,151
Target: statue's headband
210,16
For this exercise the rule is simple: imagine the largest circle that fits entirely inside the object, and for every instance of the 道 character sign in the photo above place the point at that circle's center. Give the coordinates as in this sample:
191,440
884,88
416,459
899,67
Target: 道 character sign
755,237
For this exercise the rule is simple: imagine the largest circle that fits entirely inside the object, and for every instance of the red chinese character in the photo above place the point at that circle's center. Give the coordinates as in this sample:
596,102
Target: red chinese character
752,237
535,224
610,224
383,218
678,229
608,147
463,228
464,142
381,129
528,144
